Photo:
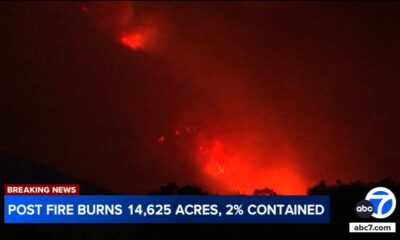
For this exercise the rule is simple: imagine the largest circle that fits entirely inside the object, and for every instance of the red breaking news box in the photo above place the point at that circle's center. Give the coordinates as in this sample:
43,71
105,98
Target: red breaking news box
41,189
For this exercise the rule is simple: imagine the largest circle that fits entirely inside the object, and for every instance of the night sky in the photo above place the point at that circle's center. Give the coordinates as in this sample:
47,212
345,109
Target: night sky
231,96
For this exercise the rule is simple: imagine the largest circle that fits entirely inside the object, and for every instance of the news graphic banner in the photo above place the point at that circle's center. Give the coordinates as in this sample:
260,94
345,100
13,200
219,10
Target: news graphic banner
23,207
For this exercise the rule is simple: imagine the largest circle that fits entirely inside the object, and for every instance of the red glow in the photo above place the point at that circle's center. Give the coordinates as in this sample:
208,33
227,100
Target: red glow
133,40
161,139
228,168
216,159
118,19
225,164
234,171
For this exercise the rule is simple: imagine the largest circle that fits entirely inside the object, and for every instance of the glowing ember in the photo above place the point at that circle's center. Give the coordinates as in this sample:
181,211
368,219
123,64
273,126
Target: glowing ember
133,40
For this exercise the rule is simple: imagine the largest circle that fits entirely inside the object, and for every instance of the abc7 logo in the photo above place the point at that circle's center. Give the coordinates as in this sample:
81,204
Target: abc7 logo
379,203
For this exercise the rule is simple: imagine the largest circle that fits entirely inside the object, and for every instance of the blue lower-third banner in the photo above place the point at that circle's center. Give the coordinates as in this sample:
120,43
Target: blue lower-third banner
166,209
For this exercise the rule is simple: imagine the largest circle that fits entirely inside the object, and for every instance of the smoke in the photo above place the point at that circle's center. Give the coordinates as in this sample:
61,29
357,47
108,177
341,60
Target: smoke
236,143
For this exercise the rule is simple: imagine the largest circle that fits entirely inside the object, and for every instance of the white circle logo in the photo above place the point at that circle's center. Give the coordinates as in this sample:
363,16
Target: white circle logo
383,201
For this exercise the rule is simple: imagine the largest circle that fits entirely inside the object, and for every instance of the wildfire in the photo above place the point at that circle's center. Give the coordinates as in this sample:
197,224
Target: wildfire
233,169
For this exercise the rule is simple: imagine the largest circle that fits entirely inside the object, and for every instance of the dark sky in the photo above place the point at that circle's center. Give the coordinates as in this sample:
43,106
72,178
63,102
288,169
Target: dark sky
232,96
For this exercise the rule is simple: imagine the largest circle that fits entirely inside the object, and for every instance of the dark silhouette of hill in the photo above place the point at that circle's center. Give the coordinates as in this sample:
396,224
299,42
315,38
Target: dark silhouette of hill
174,189
265,192
16,169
